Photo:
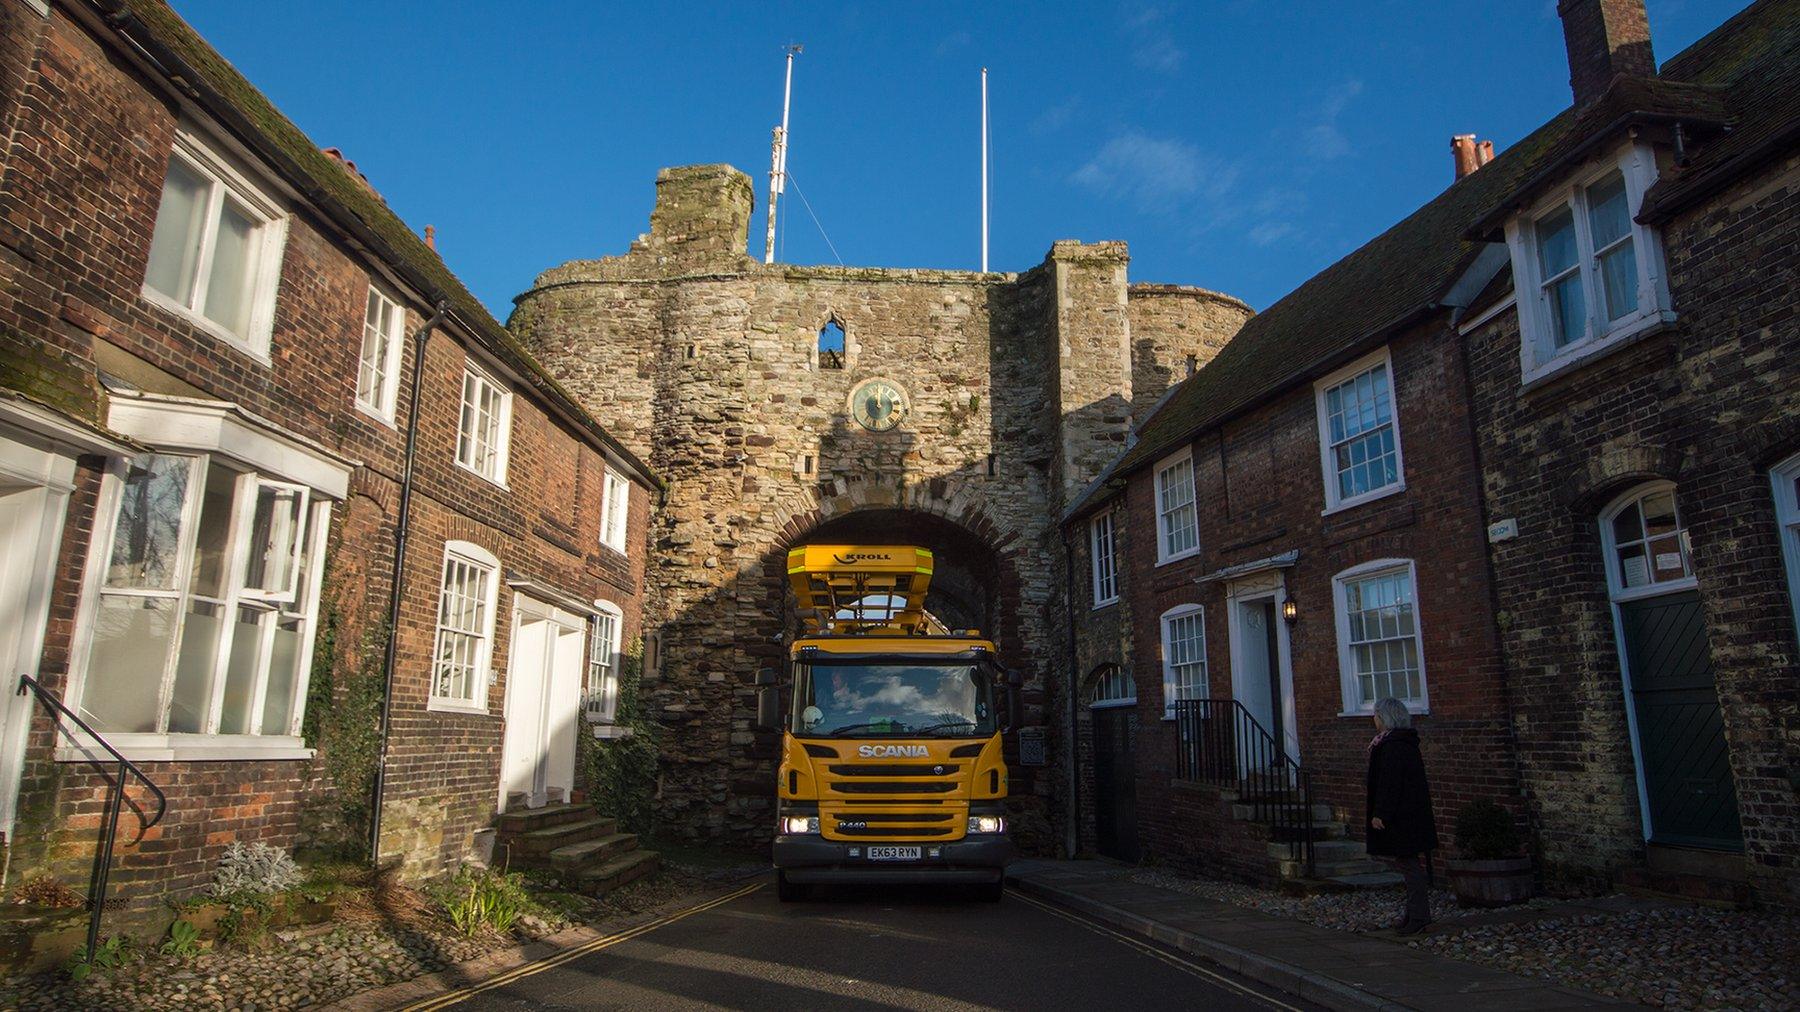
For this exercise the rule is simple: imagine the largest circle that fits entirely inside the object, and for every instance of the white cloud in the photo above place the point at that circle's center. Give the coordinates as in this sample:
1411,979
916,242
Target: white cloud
1271,232
1152,44
1153,172
1328,140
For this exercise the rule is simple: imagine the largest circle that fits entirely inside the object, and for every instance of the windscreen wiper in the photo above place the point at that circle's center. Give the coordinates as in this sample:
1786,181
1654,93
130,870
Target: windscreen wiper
864,726
948,723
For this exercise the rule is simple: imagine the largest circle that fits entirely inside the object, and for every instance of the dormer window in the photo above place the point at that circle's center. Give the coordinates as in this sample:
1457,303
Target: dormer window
1589,278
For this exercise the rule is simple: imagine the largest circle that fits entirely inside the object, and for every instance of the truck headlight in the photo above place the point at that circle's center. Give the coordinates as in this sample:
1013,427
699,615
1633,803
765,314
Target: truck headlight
987,824
790,825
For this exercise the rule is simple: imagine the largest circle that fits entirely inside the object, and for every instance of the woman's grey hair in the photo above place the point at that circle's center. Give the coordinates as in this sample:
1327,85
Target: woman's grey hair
1392,714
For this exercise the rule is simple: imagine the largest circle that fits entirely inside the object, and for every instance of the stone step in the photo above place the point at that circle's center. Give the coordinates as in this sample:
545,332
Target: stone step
1325,851
542,841
627,867
1369,880
1245,811
1705,890
591,852
525,820
1321,831
1331,869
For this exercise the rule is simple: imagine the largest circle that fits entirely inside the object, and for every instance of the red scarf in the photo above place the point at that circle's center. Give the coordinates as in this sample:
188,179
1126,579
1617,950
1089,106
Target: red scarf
1375,742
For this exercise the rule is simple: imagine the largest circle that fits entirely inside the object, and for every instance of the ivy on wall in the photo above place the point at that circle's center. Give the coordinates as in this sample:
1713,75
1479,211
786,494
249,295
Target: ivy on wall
620,773
343,721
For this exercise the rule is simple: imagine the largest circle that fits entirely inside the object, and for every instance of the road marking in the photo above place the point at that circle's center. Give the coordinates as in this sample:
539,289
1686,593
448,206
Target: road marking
1151,950
450,998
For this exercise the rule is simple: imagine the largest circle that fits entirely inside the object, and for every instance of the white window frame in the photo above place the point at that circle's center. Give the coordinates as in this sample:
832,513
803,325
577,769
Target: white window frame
271,239
1347,673
1787,518
469,554
1118,677
1104,558
1615,578
209,744
602,705
1171,686
381,404
1163,467
1539,359
615,511
503,437
1334,500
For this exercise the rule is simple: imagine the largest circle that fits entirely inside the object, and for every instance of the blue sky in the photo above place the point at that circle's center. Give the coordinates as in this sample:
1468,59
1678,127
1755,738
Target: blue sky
1240,145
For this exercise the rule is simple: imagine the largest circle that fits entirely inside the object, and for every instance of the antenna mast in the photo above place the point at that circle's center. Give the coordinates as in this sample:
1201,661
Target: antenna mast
984,172
778,156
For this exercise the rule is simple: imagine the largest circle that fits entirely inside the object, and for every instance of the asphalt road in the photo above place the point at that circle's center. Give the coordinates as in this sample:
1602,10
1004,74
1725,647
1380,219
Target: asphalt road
875,949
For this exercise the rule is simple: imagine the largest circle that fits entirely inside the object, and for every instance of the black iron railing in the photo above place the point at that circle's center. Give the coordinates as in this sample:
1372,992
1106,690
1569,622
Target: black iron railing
1221,744
115,770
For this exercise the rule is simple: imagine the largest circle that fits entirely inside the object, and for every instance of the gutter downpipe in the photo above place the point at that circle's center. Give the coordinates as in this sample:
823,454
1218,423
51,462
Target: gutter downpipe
396,583
1072,838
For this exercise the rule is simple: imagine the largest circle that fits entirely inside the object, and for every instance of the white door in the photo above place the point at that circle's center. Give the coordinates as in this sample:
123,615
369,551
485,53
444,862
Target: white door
543,705
1260,676
31,517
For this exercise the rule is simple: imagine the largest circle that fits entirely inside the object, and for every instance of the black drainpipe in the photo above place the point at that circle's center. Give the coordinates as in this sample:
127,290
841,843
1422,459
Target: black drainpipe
1074,838
402,525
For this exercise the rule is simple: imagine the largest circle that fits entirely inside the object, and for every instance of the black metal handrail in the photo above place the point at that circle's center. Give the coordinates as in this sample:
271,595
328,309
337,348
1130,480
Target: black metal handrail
115,800
1220,743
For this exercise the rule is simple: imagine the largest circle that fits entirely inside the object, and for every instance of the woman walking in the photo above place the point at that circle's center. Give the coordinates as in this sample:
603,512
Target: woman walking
1400,826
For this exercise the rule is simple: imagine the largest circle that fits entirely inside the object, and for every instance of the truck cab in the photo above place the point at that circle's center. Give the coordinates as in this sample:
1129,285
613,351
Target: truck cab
891,766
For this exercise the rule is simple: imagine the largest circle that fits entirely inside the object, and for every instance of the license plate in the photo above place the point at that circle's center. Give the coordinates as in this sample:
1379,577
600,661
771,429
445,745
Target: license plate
893,853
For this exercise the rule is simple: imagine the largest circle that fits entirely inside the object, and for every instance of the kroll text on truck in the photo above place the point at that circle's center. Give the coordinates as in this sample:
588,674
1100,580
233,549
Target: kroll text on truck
891,768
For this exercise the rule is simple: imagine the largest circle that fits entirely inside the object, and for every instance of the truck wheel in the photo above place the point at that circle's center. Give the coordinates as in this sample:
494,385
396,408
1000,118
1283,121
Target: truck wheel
788,892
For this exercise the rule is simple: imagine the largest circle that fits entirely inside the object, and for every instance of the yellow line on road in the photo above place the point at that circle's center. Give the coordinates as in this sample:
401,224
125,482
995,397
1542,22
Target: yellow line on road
1151,950
450,998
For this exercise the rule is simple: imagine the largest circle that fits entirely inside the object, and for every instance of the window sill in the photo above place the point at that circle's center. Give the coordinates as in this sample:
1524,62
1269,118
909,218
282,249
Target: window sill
609,731
1580,356
618,550
1367,497
1414,709
372,414
446,706
1102,605
499,483
237,342
186,748
1167,559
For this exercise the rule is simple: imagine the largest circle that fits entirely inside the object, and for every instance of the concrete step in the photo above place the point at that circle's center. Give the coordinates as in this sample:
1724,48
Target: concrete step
539,842
1245,811
591,852
525,820
627,867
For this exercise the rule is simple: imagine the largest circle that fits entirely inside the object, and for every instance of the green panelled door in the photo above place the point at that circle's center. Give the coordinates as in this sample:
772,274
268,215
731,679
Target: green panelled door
1681,739
1115,782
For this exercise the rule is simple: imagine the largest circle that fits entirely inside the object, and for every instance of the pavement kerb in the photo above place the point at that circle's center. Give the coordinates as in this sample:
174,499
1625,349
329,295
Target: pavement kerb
1307,984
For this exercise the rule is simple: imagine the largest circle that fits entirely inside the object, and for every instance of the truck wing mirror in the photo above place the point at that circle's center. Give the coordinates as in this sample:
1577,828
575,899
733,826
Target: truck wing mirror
1012,692
768,702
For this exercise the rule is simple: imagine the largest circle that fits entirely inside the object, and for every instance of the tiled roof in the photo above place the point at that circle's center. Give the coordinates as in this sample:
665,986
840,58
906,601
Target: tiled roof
1746,70
351,202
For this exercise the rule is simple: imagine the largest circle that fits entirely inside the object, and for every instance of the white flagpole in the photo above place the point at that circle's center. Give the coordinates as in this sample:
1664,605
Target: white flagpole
778,157
984,171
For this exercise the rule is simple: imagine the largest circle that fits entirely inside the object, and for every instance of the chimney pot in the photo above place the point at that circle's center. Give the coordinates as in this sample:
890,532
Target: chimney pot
1605,39
1484,153
431,237
1462,153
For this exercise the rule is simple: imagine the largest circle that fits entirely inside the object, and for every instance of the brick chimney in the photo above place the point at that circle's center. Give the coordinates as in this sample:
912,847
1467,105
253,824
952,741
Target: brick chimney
1606,39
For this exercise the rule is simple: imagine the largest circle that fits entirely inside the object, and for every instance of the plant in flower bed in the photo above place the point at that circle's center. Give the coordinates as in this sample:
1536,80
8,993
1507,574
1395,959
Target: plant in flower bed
476,900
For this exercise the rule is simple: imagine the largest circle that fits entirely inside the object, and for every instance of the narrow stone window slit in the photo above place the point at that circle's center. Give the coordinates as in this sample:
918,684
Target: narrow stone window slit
831,345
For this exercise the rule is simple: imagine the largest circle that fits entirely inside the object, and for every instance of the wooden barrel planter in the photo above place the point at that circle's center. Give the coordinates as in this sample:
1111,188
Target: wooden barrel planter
1496,883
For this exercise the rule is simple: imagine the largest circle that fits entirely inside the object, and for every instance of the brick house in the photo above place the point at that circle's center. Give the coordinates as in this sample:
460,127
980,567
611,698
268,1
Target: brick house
1350,447
236,389
1637,409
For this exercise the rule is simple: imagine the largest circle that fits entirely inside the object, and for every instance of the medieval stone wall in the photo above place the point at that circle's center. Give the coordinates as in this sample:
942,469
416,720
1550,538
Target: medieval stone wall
1017,388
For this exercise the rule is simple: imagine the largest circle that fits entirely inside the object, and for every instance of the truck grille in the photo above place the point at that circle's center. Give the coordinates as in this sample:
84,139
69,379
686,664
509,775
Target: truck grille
894,787
904,824
895,770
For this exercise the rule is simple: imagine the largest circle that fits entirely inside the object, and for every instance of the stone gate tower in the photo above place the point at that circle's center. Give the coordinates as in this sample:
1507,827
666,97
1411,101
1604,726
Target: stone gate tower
963,411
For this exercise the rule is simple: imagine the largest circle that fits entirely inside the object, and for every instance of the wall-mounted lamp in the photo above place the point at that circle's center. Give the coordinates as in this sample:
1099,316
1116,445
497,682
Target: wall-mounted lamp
1290,609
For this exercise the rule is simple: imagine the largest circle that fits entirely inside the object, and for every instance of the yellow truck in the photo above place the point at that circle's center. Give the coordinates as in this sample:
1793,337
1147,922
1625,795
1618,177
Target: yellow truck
891,768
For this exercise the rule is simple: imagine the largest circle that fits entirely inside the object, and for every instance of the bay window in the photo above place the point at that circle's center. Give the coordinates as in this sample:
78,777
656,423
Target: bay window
1589,278
216,249
204,605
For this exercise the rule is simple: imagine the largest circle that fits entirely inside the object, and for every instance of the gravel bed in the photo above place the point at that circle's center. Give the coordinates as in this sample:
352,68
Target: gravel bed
1661,954
385,940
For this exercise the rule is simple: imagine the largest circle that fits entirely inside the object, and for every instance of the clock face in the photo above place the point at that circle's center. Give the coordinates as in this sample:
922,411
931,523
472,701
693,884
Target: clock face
877,405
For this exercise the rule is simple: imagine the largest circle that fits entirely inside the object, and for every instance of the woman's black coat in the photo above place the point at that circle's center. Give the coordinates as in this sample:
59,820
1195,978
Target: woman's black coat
1400,798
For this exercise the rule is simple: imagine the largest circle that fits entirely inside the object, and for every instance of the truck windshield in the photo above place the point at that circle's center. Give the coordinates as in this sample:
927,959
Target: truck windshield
954,700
